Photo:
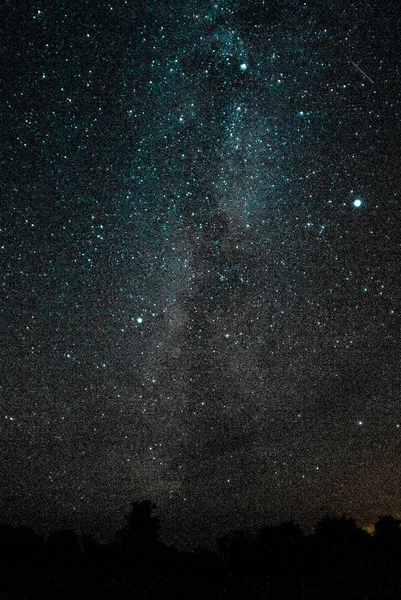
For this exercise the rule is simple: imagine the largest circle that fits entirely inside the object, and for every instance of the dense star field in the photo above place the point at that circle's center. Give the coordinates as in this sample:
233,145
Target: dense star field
200,262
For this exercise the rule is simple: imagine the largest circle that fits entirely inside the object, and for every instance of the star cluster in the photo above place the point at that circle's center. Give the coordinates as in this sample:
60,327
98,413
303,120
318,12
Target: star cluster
200,261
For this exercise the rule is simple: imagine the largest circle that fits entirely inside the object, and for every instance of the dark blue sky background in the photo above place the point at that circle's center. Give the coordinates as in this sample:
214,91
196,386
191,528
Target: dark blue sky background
200,262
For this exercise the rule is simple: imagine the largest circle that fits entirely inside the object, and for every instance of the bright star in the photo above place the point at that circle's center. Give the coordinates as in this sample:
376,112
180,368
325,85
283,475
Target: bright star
243,67
357,202
139,320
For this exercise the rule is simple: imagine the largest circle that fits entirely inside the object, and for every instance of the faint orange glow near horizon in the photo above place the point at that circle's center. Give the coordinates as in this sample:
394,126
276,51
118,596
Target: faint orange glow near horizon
369,528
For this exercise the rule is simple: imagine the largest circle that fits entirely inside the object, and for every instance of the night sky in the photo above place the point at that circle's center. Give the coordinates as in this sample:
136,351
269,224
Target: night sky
200,262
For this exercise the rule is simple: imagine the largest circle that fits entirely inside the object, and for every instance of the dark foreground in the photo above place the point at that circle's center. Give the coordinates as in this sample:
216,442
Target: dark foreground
339,560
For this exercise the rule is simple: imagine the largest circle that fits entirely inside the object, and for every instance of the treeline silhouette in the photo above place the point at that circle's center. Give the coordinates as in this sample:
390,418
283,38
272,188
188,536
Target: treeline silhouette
339,560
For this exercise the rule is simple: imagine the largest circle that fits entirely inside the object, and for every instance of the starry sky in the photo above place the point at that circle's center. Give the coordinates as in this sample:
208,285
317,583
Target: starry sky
200,261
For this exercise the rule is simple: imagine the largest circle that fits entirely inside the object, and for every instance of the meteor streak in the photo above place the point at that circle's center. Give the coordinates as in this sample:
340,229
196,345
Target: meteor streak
363,72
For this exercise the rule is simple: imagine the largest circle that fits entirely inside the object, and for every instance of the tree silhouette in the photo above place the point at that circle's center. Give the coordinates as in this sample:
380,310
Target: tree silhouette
135,556
388,527
387,555
339,560
22,559
278,556
339,553
142,528
64,546
237,551
387,539
337,529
